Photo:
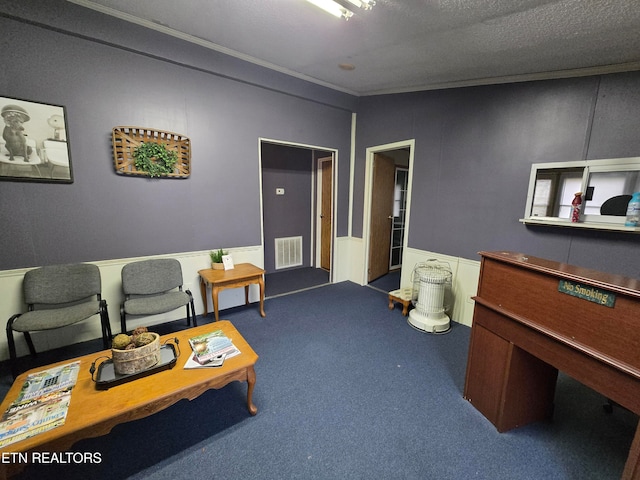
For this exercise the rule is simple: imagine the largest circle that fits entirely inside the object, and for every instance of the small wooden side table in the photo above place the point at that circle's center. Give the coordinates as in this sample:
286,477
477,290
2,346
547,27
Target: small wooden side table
242,275
402,296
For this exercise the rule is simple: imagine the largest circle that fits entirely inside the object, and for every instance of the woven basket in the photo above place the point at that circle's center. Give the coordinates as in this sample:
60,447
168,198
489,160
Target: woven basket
127,139
127,362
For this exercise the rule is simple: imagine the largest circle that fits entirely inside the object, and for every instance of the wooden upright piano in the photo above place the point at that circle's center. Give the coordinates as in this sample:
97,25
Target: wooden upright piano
533,317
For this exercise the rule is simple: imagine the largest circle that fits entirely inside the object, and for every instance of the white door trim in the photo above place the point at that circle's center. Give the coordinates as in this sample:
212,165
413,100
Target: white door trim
366,220
334,154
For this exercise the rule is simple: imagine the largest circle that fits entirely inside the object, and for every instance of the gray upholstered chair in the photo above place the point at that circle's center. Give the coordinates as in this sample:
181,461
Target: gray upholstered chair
154,286
58,296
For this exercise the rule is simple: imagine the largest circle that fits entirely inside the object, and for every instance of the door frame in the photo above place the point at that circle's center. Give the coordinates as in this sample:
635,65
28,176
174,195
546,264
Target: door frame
333,153
366,220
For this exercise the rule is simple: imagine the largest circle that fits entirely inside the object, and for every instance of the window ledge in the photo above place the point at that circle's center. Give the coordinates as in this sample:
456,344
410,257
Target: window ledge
559,222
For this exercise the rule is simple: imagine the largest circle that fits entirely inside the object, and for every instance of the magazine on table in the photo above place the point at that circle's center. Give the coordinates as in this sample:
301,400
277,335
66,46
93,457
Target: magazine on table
42,404
46,381
208,348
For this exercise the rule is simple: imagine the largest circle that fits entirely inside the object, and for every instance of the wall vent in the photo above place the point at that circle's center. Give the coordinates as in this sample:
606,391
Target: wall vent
288,252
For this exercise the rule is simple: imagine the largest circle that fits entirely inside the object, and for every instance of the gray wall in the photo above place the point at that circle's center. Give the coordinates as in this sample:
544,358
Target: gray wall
473,152
474,146
108,73
287,215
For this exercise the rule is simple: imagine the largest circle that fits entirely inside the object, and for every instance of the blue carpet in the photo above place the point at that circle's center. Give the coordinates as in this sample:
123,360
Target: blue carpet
388,282
346,389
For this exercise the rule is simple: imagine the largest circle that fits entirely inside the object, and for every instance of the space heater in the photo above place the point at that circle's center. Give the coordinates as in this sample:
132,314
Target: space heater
431,288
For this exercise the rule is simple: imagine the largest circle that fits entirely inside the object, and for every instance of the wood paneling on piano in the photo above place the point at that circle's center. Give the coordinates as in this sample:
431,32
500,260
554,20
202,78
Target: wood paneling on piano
533,317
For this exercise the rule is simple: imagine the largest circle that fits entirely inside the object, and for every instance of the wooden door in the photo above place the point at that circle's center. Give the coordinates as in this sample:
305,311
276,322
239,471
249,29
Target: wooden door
326,218
381,216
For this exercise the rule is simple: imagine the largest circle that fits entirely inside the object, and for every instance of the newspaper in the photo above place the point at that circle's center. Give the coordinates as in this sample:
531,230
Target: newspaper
42,404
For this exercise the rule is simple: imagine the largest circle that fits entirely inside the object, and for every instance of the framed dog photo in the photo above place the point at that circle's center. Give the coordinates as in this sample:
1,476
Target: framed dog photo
34,146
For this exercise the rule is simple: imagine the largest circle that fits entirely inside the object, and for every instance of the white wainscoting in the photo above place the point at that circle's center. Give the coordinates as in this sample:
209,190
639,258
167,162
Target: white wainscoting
110,270
348,266
347,262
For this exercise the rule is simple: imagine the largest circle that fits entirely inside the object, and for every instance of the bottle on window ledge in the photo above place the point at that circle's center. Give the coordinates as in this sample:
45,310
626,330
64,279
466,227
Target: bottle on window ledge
575,207
633,211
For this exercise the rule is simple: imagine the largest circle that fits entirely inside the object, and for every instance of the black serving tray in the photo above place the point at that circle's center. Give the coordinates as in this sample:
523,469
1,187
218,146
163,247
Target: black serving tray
106,376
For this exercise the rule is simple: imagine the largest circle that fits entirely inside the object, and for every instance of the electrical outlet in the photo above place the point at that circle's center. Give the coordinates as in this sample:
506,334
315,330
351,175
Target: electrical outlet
279,191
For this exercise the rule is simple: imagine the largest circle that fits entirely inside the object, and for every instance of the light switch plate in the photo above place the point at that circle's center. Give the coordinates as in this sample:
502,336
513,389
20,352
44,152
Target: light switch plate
279,191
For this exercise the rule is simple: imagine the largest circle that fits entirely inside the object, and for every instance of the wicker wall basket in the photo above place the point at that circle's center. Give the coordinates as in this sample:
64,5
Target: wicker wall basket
126,139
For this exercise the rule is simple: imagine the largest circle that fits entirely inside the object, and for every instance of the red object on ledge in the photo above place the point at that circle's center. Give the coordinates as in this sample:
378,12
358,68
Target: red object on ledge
575,207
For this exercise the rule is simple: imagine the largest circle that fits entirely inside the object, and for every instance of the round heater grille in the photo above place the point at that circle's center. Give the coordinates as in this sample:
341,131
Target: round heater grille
431,289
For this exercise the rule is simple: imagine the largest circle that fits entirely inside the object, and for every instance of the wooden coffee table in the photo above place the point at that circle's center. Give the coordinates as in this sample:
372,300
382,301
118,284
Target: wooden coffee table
94,412
242,275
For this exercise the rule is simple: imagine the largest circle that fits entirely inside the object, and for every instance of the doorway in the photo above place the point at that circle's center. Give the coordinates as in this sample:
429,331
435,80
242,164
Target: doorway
387,203
297,211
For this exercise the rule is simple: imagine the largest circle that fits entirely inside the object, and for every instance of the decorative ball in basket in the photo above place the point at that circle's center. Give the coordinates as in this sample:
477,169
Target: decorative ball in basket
136,352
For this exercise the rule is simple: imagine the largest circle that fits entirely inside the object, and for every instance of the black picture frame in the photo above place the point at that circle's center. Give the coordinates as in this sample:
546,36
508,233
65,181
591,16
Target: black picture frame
38,132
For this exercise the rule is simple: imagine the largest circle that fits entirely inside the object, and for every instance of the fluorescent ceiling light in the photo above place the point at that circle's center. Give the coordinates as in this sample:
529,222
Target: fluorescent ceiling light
366,4
333,8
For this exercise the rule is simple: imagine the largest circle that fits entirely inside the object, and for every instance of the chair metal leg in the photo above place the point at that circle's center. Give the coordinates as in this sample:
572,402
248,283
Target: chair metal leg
12,348
191,318
193,314
32,349
123,321
106,324
188,313
13,357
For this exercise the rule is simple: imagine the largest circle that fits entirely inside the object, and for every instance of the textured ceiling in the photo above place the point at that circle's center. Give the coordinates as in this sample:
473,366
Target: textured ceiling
406,45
